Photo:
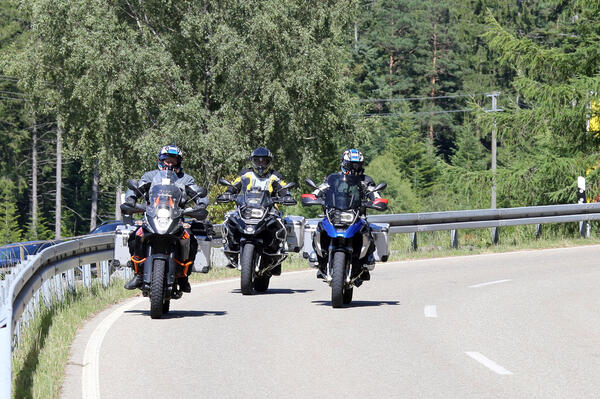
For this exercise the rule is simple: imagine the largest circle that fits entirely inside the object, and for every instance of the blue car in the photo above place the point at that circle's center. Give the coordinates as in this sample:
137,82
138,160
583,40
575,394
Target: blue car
12,254
107,226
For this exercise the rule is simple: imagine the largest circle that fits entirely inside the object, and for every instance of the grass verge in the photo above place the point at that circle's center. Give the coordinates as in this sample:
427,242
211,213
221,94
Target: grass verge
38,362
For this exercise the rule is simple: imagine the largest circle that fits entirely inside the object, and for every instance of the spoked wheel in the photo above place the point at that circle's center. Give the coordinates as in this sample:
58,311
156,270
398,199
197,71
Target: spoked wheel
157,289
338,280
247,263
261,283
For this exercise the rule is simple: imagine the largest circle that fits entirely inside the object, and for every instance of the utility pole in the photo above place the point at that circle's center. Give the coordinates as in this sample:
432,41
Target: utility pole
495,108
494,95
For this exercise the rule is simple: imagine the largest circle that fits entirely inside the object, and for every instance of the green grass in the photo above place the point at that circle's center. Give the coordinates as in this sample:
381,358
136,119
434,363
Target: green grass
38,362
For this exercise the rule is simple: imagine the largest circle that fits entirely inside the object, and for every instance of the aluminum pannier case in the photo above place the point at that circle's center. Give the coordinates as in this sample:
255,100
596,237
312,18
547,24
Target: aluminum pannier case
294,226
380,232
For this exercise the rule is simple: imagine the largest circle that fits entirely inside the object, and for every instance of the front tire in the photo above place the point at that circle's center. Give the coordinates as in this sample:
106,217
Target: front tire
348,295
157,289
338,279
261,284
247,263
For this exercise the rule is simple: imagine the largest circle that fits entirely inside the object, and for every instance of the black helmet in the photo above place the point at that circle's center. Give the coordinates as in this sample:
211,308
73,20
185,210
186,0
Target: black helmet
261,161
167,152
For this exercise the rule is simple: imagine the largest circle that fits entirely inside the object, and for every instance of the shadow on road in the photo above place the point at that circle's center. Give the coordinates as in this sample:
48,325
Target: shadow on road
359,304
176,314
274,291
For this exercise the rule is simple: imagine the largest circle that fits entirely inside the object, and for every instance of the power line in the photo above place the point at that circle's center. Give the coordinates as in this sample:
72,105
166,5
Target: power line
364,100
420,113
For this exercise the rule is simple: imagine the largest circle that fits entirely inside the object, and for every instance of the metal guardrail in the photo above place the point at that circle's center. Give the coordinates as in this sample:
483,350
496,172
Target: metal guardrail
49,273
53,268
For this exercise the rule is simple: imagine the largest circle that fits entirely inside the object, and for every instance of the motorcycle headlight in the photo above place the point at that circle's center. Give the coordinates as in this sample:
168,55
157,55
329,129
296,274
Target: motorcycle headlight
341,218
162,221
346,217
254,213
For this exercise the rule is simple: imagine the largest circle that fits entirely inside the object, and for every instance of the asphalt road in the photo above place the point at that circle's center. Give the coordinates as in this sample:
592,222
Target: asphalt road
515,325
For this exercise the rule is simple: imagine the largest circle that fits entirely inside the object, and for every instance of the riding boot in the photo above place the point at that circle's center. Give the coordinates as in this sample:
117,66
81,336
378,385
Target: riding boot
184,284
135,282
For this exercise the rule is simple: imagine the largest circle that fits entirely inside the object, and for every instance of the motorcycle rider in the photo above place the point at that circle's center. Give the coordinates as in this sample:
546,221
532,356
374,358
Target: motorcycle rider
259,176
352,165
170,157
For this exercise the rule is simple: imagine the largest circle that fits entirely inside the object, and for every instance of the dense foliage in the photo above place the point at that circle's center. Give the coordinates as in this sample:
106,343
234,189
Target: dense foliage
406,81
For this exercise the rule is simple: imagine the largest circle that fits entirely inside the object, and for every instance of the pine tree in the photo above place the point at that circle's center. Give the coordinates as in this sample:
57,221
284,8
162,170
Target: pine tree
10,230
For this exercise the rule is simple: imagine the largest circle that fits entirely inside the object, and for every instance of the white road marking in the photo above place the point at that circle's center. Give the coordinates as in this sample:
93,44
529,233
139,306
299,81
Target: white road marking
490,364
90,372
430,311
490,283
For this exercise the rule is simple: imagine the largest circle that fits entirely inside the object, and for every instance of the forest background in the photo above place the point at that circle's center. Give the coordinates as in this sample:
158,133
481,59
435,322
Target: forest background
91,89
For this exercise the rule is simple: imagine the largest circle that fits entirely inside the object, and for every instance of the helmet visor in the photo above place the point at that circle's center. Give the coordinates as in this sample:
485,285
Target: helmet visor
261,161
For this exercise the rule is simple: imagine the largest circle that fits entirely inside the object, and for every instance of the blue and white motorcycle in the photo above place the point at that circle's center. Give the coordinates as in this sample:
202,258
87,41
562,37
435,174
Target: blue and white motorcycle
343,238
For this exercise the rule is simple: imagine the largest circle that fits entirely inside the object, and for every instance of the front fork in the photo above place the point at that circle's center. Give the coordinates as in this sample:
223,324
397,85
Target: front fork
339,244
171,271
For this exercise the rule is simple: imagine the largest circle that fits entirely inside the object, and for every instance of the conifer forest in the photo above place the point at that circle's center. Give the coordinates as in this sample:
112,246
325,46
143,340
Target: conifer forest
91,89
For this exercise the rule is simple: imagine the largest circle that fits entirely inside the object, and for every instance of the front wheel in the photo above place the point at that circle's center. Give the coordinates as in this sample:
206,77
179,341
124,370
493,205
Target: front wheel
247,263
261,283
157,289
338,280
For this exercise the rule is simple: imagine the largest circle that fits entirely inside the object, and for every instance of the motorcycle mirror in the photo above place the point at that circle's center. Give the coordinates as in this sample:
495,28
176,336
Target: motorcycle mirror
379,187
311,183
289,185
224,182
193,194
133,185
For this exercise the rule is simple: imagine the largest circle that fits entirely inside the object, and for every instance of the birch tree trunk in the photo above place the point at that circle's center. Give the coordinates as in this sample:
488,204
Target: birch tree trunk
94,210
118,203
58,213
433,80
34,182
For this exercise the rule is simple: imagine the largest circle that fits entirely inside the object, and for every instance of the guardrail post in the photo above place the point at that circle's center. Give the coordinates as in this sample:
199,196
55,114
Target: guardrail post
495,235
538,230
105,268
583,229
59,291
454,238
46,293
71,281
86,275
413,241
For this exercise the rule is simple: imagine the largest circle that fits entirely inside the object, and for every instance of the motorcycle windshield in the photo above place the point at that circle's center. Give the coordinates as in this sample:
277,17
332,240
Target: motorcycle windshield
254,199
165,193
343,192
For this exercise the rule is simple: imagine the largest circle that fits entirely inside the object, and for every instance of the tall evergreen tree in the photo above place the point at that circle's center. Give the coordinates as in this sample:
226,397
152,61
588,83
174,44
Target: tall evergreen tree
10,229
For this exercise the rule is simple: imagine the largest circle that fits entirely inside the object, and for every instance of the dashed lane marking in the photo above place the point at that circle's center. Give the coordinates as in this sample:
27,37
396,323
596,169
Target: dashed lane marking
490,364
489,283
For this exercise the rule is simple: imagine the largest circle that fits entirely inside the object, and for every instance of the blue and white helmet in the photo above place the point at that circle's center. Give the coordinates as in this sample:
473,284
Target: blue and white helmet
352,162
170,151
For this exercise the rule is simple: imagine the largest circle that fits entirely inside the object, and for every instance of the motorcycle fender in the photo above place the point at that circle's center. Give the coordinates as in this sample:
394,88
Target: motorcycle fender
366,243
333,249
171,271
148,269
